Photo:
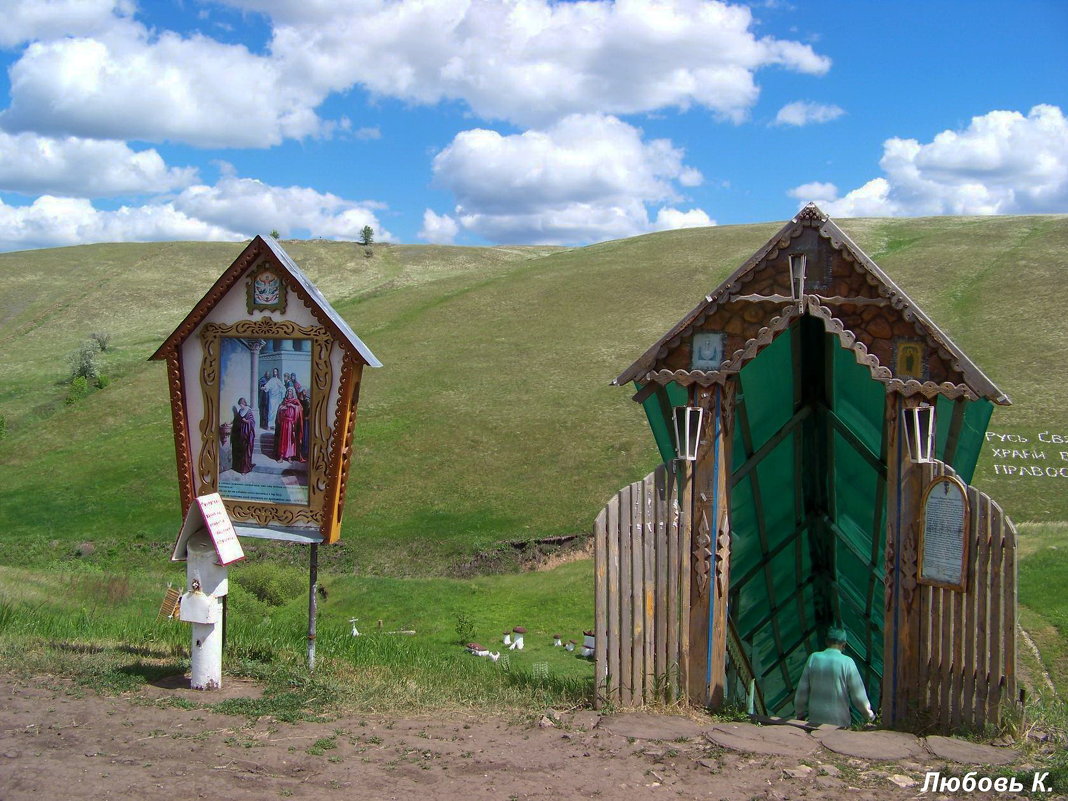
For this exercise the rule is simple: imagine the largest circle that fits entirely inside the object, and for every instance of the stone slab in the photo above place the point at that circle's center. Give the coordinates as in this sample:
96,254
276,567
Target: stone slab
970,753
643,726
879,746
768,740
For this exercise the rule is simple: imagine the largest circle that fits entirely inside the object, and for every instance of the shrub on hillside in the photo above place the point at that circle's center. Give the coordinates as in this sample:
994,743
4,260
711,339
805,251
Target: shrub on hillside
85,362
3,427
273,584
102,340
78,389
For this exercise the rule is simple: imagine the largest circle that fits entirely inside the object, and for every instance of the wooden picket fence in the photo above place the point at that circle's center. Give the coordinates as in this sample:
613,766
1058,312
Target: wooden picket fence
641,602
967,644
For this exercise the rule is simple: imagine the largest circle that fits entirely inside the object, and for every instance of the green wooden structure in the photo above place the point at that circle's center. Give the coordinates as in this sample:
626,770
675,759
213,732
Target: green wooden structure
805,505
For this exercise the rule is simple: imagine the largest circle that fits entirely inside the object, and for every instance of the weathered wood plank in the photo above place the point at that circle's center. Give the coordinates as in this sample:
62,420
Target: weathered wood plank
685,568
982,600
934,679
600,607
660,663
626,599
958,636
649,587
996,631
637,525
672,588
1009,626
969,665
612,645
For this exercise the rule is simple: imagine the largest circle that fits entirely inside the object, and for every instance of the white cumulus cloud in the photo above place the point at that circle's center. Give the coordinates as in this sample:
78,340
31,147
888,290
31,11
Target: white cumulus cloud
128,83
438,229
233,209
58,221
531,62
26,20
668,219
1002,163
534,61
32,164
802,112
251,206
815,191
586,178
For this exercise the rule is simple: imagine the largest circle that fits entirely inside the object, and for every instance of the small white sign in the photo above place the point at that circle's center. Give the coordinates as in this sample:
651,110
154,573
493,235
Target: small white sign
208,512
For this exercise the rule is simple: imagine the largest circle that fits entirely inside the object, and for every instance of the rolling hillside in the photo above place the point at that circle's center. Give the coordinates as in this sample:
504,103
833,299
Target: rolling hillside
493,418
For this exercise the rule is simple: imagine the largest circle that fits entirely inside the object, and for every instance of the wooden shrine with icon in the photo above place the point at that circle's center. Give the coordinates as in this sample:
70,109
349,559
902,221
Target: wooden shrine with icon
264,378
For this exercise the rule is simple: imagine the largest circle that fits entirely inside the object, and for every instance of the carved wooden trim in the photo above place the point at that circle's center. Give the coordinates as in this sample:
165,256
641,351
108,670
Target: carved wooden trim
181,432
702,554
226,281
207,478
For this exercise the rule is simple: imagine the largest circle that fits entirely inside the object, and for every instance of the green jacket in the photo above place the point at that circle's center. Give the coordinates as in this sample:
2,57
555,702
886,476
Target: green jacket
830,681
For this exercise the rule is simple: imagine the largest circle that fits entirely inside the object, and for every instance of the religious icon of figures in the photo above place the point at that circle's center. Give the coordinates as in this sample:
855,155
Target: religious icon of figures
266,292
264,397
909,361
707,350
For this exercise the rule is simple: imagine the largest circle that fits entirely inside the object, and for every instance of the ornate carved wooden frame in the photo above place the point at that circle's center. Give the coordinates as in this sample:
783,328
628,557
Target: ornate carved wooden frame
206,477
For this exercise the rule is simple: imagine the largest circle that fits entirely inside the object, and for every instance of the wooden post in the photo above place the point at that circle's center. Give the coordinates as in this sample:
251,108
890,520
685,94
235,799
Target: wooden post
701,552
710,549
720,584
600,609
900,692
313,602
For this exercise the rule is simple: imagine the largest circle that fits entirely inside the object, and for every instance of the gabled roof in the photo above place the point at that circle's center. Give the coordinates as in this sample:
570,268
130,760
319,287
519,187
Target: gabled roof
975,382
264,245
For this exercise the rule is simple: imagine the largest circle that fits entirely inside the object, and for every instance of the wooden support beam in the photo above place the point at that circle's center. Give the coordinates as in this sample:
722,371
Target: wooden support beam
858,445
773,442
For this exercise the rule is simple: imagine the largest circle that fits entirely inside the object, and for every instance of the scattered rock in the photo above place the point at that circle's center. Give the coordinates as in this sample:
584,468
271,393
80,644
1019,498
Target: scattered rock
827,783
585,720
546,723
770,740
711,764
800,772
970,753
830,770
880,746
901,780
645,726
86,549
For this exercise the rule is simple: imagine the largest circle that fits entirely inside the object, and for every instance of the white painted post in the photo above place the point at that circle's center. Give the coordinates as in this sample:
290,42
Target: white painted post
206,583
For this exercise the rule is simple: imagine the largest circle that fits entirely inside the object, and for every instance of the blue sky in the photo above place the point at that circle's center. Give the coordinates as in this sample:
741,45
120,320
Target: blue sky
518,121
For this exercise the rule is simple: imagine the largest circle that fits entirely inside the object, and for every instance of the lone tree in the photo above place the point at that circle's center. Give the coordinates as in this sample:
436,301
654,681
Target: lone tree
367,235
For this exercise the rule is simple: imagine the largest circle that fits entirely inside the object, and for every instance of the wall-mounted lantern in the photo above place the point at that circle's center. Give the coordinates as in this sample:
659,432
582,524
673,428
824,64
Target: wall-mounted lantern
920,432
798,262
687,431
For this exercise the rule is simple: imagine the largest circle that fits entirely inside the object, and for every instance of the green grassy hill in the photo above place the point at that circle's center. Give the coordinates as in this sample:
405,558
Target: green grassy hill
493,418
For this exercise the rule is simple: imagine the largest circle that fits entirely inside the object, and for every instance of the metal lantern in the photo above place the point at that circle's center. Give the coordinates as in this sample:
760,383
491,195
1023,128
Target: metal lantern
798,263
920,432
687,431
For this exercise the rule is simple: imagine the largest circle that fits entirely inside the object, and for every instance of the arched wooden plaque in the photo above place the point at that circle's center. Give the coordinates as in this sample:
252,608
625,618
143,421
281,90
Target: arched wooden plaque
944,534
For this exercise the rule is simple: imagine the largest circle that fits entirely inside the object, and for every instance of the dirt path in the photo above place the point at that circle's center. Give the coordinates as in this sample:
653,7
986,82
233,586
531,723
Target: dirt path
58,742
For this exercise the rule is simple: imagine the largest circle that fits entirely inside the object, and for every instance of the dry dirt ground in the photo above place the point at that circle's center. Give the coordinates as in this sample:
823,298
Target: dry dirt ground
61,742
